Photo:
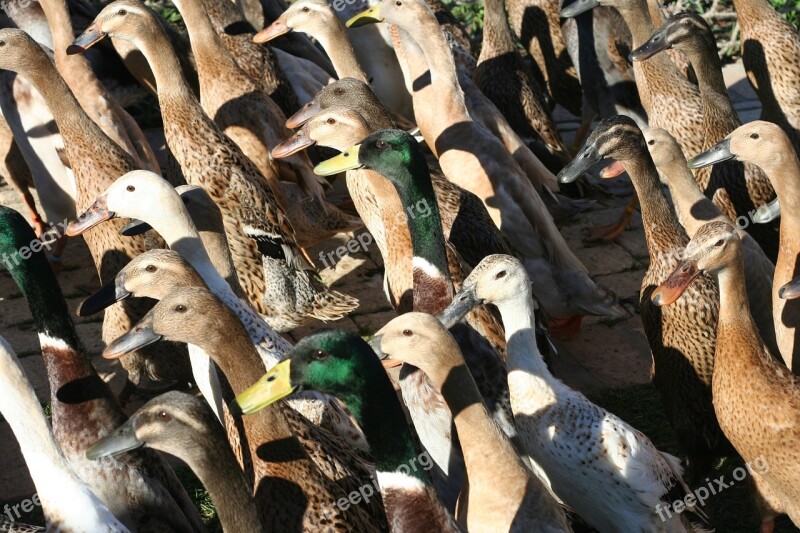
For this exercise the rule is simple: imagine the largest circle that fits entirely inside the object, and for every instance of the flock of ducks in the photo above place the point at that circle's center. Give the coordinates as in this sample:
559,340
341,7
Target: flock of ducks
451,159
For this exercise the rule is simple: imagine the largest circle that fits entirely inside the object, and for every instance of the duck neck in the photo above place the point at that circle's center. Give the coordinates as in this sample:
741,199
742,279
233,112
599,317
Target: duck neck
432,284
230,347
61,29
749,12
337,45
734,307
661,228
157,50
376,409
718,114
519,322
206,44
497,38
694,208
640,22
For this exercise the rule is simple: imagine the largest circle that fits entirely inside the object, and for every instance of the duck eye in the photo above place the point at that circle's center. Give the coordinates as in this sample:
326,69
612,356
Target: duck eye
180,308
122,12
407,332
398,3
754,135
381,145
130,188
150,268
2,43
501,274
331,121
305,9
651,142
164,416
719,243
320,355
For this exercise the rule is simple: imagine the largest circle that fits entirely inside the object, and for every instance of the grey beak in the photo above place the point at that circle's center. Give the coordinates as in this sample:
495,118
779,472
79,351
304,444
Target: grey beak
375,344
791,290
578,7
463,302
140,336
716,154
655,44
768,212
586,159
135,227
122,440
112,292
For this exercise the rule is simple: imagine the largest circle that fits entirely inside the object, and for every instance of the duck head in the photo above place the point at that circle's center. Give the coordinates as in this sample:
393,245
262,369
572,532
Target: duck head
337,127
419,339
330,361
16,48
663,148
684,31
123,19
307,16
762,143
714,246
404,13
348,92
616,138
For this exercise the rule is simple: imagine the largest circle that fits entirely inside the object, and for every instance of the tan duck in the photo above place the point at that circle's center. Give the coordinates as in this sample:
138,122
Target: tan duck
770,50
588,459
340,362
50,471
736,188
139,488
302,498
694,210
757,400
166,424
503,494
115,122
766,145
473,159
502,75
95,161
262,240
251,119
681,337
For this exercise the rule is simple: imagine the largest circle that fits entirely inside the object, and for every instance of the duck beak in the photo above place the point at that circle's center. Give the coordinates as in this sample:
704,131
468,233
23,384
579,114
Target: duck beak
370,16
306,113
655,44
463,302
135,227
276,29
97,213
768,212
347,160
140,336
578,7
677,282
791,290
299,141
716,154
122,440
612,171
112,292
584,160
275,385
86,40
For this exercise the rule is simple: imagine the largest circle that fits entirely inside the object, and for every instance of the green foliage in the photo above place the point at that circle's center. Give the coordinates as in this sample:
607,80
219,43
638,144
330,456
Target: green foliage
470,15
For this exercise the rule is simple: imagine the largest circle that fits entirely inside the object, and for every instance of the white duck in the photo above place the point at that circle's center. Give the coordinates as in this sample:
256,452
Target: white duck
598,465
67,503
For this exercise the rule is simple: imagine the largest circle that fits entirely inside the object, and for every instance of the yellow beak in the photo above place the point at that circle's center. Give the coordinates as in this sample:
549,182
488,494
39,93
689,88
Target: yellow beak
347,160
275,385
370,16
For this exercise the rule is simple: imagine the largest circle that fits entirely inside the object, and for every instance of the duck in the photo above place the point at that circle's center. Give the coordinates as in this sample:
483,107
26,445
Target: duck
250,118
503,494
342,363
166,423
681,338
587,460
131,196
765,144
395,154
473,159
95,160
49,469
83,406
302,497
669,99
736,188
16,173
757,399
694,210
262,239
503,76
770,46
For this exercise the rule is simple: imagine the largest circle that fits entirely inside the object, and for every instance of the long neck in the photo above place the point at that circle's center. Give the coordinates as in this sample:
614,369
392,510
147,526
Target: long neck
718,114
519,322
662,230
206,44
694,208
61,29
157,49
337,45
750,12
497,38
734,307
378,412
234,353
